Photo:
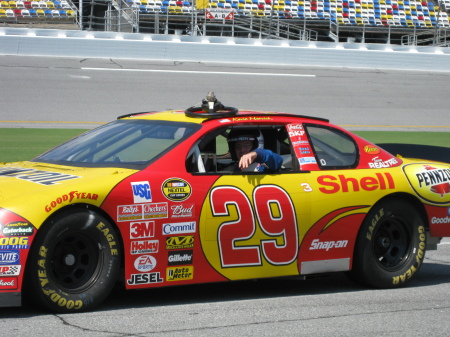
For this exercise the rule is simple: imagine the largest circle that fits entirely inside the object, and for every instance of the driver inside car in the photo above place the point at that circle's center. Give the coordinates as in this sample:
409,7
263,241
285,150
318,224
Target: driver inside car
246,148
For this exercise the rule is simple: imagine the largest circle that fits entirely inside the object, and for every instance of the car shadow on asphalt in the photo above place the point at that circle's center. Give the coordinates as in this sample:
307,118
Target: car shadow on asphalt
430,274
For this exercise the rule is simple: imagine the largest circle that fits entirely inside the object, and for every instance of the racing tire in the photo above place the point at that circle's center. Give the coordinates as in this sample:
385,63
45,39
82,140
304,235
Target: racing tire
390,247
74,262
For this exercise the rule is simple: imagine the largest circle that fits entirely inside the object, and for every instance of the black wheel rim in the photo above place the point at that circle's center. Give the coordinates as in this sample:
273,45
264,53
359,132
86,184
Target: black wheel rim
392,244
75,262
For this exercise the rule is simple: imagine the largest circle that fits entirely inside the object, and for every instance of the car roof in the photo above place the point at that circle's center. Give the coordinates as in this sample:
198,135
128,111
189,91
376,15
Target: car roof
183,116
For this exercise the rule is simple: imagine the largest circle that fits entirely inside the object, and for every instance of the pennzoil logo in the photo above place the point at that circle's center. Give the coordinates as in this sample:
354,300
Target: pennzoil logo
176,189
180,273
437,179
430,181
180,242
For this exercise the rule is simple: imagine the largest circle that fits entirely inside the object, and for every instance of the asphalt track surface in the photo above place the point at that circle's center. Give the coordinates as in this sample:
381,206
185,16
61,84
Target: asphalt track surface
45,92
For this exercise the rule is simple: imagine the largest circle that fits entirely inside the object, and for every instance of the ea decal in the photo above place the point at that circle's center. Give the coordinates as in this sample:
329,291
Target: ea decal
145,263
176,189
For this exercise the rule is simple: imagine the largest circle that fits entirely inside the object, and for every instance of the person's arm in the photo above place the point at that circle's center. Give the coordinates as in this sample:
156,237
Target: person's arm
272,161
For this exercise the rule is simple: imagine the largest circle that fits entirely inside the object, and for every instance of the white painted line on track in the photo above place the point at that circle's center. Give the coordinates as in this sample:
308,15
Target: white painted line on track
200,72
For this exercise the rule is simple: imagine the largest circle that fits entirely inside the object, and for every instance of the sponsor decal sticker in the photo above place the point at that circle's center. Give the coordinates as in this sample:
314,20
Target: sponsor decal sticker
180,273
18,228
141,192
156,210
8,283
379,163
179,228
144,246
9,257
176,189
327,245
70,197
182,211
431,182
146,278
371,149
129,212
10,270
180,257
331,184
142,230
145,263
180,242
14,242
36,176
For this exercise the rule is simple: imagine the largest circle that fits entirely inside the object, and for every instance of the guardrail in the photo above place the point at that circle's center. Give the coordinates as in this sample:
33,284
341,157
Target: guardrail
92,44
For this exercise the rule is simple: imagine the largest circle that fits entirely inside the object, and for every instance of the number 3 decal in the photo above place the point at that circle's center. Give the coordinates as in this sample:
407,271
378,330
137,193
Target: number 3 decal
276,217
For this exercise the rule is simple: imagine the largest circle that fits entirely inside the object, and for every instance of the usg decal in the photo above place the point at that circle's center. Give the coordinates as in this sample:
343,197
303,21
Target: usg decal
141,192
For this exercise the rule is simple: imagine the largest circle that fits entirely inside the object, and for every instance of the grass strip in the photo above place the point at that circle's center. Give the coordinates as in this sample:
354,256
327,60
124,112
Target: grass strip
25,144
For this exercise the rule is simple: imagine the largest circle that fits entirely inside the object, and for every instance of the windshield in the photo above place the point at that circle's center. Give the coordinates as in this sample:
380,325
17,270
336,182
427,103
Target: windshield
122,143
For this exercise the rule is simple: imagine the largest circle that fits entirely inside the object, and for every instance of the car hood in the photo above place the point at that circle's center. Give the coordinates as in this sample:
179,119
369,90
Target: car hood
27,187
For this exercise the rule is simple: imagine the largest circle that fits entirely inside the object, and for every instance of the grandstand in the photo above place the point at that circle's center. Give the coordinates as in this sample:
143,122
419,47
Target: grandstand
370,21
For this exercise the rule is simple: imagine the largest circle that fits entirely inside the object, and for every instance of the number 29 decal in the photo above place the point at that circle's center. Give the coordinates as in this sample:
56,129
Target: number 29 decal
258,234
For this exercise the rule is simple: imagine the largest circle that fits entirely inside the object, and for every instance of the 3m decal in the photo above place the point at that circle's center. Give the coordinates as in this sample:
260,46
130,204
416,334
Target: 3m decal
180,273
180,242
176,189
341,183
142,230
144,247
146,278
141,192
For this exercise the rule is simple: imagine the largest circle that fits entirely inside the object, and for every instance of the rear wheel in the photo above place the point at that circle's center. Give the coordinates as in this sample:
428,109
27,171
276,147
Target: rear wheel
391,244
74,262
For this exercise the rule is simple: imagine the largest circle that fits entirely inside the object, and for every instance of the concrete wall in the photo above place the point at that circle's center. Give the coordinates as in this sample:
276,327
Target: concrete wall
87,44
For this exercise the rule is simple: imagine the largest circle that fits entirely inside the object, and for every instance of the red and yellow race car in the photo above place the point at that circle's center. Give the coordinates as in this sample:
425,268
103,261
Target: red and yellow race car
162,198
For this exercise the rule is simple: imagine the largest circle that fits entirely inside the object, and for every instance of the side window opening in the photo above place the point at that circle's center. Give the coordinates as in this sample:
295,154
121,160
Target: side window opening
333,148
211,153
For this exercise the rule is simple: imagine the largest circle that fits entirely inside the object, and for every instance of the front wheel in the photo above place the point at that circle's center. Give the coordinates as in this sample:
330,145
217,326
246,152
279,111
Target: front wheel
74,262
390,246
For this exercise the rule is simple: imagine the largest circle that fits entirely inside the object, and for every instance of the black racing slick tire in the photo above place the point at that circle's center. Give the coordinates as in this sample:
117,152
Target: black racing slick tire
390,246
74,262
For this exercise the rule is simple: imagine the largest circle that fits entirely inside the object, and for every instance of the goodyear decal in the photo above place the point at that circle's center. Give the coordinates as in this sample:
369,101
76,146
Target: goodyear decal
176,189
430,182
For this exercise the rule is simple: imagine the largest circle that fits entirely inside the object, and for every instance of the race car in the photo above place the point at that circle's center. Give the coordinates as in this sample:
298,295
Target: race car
149,200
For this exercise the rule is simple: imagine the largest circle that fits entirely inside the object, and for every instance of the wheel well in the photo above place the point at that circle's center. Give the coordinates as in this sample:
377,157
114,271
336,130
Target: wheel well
91,208
411,199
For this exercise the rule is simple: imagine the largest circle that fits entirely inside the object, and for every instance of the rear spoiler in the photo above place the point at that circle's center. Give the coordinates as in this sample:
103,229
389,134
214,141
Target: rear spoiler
427,152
